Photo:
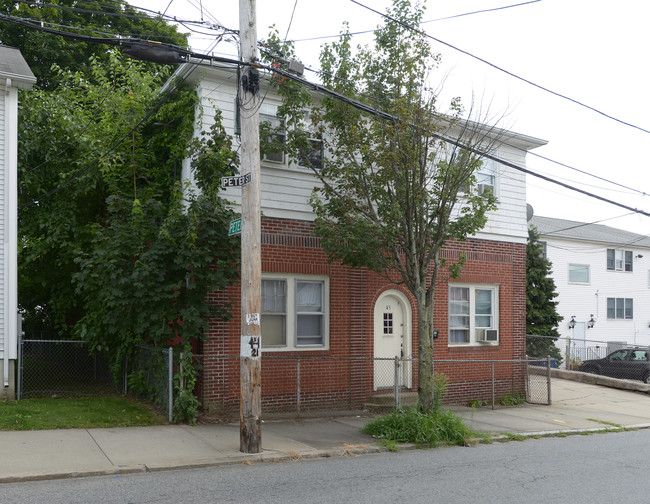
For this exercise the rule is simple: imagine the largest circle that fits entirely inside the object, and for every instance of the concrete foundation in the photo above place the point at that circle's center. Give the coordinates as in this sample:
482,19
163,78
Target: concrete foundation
8,393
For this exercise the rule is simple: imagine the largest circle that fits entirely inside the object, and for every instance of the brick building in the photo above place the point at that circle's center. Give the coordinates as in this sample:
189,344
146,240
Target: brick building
330,332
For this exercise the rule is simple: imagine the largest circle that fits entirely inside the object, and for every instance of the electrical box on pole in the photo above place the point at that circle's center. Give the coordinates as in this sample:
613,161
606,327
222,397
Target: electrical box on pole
250,404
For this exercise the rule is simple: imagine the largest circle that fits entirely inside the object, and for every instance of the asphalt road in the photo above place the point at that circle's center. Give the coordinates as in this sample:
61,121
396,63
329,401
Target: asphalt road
596,468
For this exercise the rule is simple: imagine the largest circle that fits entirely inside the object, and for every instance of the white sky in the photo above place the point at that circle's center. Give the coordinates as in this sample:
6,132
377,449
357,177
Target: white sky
589,50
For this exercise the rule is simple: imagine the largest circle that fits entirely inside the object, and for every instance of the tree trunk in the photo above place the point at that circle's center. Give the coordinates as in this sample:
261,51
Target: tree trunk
425,356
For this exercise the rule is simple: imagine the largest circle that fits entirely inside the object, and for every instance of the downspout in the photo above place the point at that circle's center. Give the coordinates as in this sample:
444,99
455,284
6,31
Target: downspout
5,290
10,244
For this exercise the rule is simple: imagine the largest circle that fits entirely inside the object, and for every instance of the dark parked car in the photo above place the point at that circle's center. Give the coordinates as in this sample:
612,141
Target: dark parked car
626,363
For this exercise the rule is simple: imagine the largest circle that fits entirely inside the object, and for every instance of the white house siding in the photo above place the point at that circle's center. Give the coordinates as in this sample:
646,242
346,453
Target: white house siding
217,90
583,301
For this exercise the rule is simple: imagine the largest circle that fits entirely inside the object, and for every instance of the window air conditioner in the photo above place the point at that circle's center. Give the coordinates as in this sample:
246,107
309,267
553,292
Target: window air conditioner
487,335
484,187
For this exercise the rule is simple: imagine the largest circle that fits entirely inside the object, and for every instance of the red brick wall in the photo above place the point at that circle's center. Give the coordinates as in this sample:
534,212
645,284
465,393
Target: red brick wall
342,377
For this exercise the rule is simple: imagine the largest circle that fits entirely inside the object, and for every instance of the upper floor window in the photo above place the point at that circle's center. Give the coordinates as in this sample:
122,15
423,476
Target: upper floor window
276,137
619,260
270,120
620,308
579,273
473,314
486,176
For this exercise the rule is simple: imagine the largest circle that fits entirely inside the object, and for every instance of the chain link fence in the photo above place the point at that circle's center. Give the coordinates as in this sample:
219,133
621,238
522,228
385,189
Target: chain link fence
63,368
304,386
60,368
300,386
615,359
150,374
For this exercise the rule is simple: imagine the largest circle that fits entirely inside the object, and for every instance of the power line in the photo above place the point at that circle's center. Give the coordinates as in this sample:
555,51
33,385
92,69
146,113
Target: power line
354,103
496,67
545,158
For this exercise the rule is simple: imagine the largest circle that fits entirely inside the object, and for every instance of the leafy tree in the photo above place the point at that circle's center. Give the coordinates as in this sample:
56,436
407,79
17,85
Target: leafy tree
393,193
77,146
112,249
542,318
41,49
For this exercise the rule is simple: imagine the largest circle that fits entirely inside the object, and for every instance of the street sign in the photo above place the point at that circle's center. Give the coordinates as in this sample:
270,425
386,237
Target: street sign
236,181
235,227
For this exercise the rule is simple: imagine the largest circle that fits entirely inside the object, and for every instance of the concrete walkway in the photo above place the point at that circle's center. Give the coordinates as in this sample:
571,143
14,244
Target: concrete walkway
85,452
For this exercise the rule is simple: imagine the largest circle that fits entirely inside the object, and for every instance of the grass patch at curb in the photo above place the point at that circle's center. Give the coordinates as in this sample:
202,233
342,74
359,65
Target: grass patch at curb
77,413
440,427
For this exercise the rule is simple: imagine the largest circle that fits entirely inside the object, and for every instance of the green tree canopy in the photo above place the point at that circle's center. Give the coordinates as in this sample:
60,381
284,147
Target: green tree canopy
542,318
109,249
393,192
97,19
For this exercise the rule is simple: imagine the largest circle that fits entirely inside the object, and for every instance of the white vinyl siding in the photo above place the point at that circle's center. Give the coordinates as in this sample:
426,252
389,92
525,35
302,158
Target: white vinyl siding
218,92
586,301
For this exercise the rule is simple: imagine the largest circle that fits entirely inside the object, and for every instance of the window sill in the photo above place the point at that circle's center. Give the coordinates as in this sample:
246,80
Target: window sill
471,347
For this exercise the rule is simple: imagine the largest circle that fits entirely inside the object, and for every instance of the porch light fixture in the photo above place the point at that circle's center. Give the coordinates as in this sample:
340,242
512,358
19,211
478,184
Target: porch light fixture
572,322
591,322
639,256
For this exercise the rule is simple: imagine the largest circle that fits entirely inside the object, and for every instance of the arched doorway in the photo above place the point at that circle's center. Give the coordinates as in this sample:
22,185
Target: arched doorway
392,337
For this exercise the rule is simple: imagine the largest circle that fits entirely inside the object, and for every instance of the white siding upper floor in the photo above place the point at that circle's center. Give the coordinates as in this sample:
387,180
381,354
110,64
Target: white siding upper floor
286,188
612,287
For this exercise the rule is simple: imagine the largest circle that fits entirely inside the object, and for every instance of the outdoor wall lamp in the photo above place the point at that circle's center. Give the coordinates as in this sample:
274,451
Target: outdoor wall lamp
591,322
572,322
639,256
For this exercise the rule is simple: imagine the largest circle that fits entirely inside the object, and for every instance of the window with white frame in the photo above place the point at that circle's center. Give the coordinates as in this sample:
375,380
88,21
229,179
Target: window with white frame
620,308
619,260
579,274
473,314
269,118
295,312
486,176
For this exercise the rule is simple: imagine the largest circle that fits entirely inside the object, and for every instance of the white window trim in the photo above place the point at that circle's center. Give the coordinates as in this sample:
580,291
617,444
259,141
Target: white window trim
588,282
292,316
472,314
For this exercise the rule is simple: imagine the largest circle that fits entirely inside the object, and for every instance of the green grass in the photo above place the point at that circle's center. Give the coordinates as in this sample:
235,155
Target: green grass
77,413
440,427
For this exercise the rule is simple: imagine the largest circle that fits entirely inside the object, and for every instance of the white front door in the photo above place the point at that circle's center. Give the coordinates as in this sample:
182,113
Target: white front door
392,339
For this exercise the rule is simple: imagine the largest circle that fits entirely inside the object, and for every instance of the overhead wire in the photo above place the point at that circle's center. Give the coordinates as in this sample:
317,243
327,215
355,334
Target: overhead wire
369,109
500,69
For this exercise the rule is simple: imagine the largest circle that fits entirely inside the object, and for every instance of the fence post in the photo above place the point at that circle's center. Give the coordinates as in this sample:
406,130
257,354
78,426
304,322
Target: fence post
492,384
298,386
19,385
171,384
548,377
125,378
397,396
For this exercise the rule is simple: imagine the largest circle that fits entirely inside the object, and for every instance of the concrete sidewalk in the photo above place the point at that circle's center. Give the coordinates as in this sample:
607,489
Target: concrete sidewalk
85,452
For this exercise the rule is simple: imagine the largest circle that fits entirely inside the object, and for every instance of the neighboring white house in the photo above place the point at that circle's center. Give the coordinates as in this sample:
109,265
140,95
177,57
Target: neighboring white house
14,74
602,276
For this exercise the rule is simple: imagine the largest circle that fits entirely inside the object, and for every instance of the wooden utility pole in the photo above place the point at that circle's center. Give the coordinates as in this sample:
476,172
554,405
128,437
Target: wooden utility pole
250,404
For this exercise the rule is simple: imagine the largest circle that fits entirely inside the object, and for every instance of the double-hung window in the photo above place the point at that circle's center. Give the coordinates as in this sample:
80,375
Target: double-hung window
486,176
294,312
277,136
620,308
619,260
473,314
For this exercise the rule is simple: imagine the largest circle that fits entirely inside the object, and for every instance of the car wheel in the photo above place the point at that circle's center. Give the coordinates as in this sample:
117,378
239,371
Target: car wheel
590,369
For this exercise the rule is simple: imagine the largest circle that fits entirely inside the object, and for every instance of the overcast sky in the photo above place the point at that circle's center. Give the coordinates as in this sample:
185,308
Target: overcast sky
592,51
